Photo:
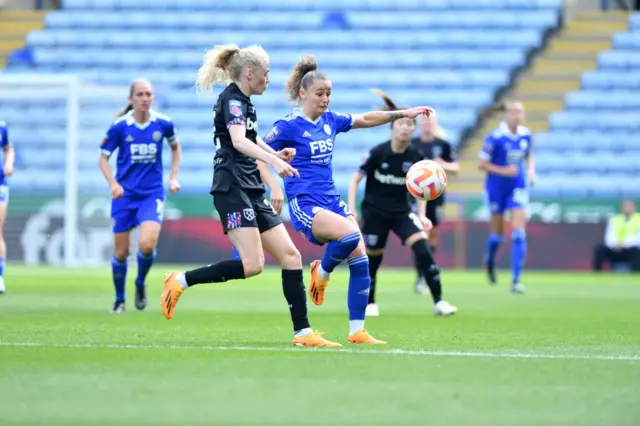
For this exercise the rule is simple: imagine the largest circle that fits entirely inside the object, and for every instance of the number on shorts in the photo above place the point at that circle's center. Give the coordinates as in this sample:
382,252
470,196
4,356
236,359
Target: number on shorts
521,196
416,220
160,208
345,208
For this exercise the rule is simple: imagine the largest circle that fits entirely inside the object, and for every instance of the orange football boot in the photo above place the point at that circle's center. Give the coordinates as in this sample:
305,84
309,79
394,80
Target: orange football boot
314,339
318,285
171,293
363,337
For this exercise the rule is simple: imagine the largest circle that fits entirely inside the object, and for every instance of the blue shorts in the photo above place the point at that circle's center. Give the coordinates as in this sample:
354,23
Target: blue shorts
303,208
129,212
4,194
498,201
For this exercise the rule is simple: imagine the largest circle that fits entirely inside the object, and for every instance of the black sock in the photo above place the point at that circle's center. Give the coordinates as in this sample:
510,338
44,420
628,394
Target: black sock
374,263
433,249
296,295
222,271
416,264
429,269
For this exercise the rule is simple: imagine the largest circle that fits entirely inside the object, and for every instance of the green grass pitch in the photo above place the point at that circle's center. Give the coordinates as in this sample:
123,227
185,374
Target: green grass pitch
565,353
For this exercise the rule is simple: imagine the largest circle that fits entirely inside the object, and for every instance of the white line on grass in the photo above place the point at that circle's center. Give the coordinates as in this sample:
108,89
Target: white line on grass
320,350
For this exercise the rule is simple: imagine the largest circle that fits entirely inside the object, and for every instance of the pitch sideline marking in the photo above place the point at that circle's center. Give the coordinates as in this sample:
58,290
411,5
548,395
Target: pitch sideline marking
320,350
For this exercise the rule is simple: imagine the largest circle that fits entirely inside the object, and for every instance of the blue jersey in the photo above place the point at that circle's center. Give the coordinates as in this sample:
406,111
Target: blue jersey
503,148
139,163
4,143
314,142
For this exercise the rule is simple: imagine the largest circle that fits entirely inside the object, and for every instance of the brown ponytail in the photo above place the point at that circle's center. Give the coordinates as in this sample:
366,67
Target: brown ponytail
304,73
132,88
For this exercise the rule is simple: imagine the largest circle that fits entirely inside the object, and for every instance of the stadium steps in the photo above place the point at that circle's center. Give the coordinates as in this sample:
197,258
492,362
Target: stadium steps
14,27
555,72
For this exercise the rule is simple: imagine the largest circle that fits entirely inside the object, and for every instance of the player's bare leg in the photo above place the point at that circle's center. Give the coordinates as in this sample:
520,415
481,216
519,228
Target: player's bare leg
3,246
420,246
121,247
518,248
245,240
147,242
277,242
493,244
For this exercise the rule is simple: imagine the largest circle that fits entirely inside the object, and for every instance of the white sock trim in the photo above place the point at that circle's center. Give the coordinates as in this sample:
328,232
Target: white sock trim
322,273
355,326
182,280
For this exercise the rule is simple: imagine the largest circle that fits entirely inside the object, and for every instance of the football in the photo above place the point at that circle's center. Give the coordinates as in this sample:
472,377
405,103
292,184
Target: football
426,180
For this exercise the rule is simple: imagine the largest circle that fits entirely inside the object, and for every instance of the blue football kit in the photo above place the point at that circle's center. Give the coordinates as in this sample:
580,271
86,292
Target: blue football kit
503,148
139,168
4,143
314,141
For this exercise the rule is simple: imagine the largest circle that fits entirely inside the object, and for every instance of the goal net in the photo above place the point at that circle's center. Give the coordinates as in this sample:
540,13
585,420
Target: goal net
59,208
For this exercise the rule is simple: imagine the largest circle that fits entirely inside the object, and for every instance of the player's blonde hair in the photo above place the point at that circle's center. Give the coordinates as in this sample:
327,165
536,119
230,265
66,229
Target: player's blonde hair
132,89
222,64
304,73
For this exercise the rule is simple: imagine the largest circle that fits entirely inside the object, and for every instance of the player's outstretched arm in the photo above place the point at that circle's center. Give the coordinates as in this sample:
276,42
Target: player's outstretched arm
250,149
378,118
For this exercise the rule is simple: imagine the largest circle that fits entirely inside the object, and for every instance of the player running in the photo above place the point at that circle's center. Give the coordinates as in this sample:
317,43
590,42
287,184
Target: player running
247,217
6,171
507,159
387,207
314,203
434,146
137,192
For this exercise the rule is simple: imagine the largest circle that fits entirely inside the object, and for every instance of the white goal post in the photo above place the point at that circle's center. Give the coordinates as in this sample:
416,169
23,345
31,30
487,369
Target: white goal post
37,87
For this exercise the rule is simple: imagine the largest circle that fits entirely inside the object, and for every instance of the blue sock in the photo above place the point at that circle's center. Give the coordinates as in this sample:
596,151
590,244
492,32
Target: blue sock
119,271
144,264
1,266
518,252
493,244
338,251
235,255
359,285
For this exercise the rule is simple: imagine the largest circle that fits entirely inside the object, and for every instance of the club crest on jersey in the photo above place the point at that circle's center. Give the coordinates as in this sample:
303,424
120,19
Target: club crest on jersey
437,151
249,214
235,108
406,166
523,144
157,136
327,129
272,134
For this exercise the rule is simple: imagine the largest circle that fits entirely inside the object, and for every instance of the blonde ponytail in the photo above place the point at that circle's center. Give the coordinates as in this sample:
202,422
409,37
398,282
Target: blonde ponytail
215,67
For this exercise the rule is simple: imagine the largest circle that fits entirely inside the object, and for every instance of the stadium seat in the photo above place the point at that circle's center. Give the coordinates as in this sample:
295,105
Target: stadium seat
450,54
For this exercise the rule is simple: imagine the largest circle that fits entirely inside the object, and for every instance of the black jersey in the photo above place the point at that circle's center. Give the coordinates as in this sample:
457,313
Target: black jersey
439,148
385,170
232,169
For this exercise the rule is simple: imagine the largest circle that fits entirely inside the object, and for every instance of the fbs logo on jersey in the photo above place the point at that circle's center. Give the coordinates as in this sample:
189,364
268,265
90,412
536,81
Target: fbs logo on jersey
272,134
327,129
235,107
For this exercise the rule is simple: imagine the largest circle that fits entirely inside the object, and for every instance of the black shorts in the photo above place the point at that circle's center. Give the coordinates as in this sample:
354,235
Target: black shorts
244,209
376,227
